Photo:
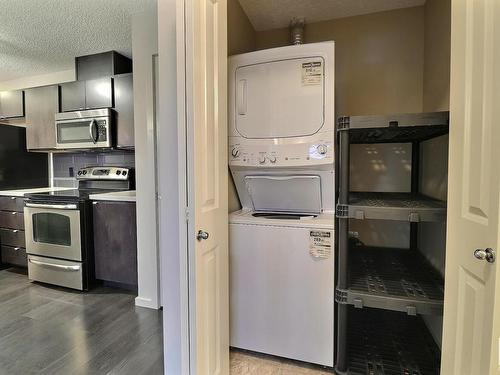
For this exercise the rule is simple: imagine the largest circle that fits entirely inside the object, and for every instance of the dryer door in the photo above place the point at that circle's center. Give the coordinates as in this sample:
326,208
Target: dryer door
294,194
280,99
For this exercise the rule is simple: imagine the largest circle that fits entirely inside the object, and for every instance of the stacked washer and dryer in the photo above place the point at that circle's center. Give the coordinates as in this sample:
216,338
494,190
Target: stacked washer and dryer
281,243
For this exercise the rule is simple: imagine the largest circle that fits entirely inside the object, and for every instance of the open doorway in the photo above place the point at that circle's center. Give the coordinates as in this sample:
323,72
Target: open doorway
385,64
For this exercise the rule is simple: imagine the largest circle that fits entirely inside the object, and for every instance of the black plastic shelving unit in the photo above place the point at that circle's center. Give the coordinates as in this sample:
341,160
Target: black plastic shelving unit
376,286
388,343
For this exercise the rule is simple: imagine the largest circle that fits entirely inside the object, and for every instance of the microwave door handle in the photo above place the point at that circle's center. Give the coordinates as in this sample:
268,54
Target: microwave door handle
93,135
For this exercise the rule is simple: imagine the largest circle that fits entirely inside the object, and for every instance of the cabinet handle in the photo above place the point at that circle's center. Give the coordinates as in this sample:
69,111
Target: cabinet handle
57,266
12,198
15,230
17,248
14,213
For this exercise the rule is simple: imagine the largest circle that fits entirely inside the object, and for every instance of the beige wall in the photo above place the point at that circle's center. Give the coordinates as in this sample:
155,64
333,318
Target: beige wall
379,59
437,55
241,38
241,35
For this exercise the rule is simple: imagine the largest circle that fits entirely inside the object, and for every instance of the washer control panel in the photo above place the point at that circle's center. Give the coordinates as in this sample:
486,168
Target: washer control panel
302,154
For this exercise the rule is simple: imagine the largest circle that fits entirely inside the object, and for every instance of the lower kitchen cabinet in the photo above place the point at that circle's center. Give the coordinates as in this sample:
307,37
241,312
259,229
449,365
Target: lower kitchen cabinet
12,235
115,242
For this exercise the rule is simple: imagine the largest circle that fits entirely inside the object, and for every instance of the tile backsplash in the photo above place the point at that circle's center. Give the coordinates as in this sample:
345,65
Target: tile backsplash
67,164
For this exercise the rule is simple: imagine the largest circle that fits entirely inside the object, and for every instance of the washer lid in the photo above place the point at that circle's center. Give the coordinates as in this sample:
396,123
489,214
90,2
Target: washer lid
280,99
297,194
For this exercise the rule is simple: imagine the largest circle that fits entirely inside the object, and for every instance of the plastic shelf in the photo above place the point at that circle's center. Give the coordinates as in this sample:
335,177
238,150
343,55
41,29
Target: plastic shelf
393,206
398,128
393,279
388,343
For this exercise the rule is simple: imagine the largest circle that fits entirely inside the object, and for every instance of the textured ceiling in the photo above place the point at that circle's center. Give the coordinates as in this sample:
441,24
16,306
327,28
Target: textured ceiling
273,14
44,36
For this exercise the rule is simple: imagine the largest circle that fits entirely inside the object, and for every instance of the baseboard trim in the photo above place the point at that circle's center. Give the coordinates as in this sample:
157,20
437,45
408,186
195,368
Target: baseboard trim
146,302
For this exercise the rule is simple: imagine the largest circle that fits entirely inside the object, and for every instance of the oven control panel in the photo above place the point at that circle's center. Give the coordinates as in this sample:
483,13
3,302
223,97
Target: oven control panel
103,173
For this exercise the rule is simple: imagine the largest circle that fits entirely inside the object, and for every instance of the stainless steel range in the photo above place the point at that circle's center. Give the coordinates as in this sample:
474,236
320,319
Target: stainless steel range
59,238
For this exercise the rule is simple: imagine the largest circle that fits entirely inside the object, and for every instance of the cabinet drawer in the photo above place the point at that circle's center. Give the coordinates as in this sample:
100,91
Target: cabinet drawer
12,204
12,220
56,271
12,237
14,255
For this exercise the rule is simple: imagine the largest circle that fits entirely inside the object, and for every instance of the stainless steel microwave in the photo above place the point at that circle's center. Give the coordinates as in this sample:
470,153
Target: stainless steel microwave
84,129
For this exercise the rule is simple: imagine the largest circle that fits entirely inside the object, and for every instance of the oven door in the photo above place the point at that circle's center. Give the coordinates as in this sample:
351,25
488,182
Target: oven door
53,230
83,133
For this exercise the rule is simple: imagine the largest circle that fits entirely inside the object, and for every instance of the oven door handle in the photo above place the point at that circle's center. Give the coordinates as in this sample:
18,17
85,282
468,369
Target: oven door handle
53,206
93,134
57,266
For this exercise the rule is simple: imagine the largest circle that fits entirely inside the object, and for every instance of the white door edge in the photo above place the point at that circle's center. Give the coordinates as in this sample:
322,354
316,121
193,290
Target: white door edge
172,172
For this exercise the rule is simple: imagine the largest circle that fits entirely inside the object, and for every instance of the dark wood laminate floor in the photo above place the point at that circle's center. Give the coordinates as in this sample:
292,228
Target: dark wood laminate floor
54,331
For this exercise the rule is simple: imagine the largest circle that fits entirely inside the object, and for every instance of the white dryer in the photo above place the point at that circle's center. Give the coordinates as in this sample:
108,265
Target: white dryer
281,156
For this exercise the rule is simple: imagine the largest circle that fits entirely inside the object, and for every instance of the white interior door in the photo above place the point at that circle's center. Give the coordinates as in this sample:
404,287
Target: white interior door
206,110
472,310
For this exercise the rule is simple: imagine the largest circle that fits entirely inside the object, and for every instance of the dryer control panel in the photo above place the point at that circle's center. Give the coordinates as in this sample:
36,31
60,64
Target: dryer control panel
284,155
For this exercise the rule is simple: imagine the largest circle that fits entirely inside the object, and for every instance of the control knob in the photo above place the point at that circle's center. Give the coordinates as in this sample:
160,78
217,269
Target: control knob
262,159
322,149
235,152
272,159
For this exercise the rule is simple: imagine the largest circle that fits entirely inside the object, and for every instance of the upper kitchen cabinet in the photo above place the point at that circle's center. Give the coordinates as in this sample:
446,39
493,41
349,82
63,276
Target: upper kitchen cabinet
124,108
99,93
11,104
99,65
73,96
90,94
42,103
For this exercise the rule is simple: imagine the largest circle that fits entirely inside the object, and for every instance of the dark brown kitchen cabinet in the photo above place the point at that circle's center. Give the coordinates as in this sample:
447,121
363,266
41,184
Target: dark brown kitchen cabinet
42,103
12,235
124,108
115,242
90,94
11,104
99,93
72,96
105,64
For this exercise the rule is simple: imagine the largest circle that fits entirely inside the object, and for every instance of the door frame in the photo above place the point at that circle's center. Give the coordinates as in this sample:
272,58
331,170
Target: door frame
173,188
176,195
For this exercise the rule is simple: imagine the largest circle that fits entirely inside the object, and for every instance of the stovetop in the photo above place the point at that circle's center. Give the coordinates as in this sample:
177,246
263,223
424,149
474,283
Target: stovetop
91,180
72,195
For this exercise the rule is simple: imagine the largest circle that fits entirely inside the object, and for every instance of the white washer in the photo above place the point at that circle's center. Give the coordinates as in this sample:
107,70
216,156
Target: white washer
281,286
281,156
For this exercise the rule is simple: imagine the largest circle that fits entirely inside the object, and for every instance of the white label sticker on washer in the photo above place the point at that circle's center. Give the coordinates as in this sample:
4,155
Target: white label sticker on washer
320,244
312,73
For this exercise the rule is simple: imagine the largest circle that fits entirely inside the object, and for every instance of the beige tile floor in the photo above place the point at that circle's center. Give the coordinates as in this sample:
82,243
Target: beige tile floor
249,363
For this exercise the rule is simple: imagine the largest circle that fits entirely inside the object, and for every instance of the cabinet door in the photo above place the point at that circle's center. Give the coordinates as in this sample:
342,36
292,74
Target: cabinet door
99,93
72,96
115,242
42,103
11,104
124,108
